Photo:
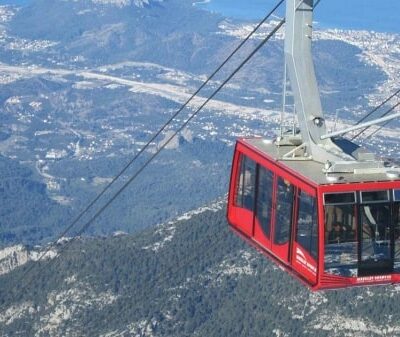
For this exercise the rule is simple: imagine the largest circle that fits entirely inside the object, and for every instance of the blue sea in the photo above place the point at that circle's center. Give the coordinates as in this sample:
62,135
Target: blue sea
378,15
14,2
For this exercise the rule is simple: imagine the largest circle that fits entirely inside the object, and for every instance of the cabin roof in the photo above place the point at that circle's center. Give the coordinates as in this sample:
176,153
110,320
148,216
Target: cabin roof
309,169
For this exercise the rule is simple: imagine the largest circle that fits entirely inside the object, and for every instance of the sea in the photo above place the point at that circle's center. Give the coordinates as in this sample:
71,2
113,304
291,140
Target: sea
376,15
15,2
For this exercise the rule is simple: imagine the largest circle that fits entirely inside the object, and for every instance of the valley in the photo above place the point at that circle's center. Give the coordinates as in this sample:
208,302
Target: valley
65,118
84,84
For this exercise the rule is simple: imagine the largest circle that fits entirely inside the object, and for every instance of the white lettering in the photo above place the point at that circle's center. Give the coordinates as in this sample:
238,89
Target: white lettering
301,259
378,278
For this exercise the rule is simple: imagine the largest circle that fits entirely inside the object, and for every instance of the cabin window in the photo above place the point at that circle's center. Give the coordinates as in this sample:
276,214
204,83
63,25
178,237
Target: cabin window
374,196
396,195
307,224
340,198
375,232
264,199
396,220
340,235
246,184
284,206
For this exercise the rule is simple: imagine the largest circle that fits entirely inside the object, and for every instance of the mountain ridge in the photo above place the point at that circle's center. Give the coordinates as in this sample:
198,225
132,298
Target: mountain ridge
191,276
76,109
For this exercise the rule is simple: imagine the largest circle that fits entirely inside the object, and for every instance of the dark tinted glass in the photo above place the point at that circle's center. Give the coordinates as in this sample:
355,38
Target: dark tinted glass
246,184
396,223
341,240
307,224
374,196
339,198
264,199
239,183
375,235
284,206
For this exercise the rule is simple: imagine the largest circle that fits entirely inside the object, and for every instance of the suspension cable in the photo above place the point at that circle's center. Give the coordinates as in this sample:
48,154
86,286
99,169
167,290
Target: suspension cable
170,120
102,209
140,170
373,111
386,123
132,178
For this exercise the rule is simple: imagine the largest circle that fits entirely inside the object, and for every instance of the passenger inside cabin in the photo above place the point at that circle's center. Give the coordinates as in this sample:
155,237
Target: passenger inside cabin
340,239
337,234
342,217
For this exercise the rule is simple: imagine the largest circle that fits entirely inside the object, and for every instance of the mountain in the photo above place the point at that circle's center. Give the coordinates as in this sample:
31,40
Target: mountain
191,276
104,32
85,84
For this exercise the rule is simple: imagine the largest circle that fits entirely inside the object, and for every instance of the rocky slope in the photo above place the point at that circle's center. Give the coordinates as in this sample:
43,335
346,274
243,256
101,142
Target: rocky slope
189,277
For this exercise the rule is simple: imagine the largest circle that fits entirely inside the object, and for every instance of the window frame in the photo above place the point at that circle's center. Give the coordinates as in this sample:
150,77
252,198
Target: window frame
270,205
346,260
287,239
366,202
239,197
313,230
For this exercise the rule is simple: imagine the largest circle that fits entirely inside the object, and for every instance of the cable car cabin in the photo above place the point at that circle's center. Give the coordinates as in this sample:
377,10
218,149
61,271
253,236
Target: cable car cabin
323,207
328,234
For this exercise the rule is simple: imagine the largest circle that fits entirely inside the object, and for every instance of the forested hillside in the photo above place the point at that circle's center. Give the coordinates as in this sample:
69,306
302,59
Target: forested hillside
26,213
190,277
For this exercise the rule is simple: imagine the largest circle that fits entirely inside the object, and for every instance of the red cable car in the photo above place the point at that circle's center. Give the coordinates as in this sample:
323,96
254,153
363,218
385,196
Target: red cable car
330,235
322,207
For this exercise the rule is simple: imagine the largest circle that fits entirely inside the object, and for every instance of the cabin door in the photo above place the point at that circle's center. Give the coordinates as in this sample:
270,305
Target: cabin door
282,218
375,234
263,209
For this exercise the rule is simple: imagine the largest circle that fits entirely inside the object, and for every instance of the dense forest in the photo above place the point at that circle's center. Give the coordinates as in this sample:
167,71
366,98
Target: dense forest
27,214
189,277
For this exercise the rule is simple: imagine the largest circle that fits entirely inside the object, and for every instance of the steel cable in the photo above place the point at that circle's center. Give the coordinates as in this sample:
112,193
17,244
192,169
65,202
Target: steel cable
373,111
170,120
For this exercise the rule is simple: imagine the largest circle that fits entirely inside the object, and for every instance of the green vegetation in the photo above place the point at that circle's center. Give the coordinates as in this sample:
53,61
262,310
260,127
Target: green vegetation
202,281
27,214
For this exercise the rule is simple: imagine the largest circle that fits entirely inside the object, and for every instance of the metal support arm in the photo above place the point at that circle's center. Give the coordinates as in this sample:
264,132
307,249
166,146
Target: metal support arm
298,57
300,68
